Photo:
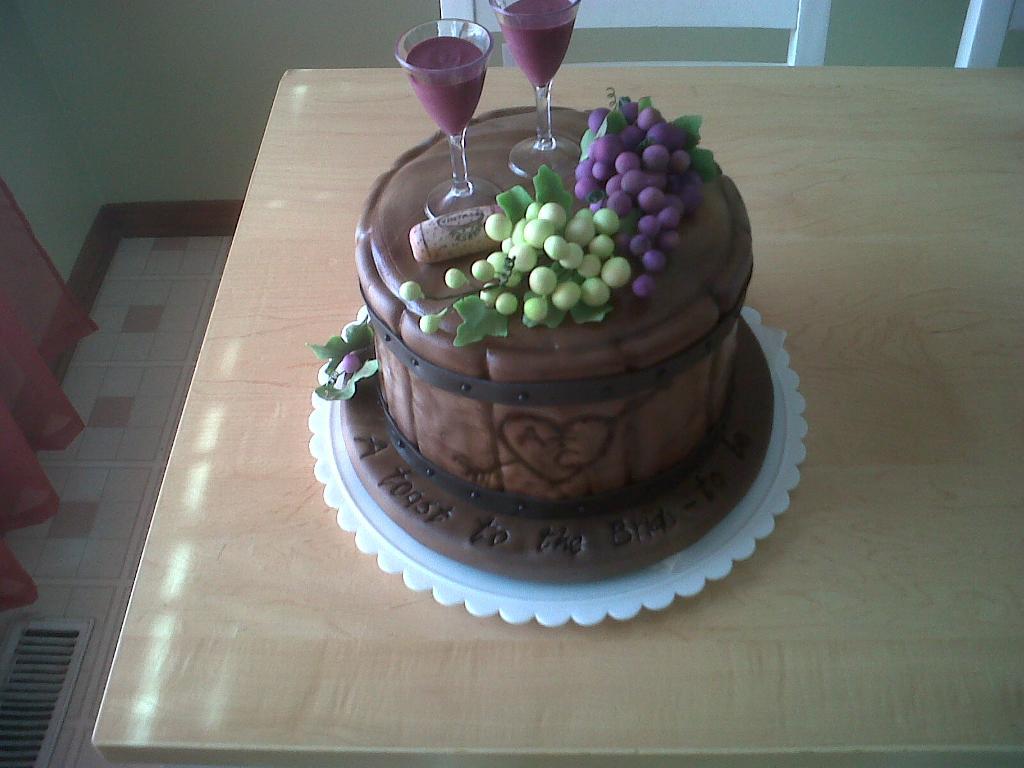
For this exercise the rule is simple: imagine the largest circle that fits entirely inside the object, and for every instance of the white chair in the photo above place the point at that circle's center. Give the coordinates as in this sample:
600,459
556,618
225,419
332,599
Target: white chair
806,20
985,31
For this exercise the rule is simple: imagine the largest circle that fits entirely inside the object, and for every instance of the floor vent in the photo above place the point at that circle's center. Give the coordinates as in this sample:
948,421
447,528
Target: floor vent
39,665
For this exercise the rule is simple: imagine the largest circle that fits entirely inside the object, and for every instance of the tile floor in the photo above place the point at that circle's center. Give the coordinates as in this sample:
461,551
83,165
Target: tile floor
128,382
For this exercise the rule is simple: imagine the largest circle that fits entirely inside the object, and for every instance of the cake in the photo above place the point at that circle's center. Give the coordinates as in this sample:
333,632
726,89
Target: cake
540,451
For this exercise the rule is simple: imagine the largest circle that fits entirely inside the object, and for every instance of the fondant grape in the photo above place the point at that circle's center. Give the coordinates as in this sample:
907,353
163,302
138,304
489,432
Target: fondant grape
648,118
601,246
519,232
515,277
651,199
627,161
616,272
506,303
595,118
668,217
524,257
410,290
679,161
669,241
590,266
606,148
583,170
606,222
659,133
649,225
630,110
566,295
584,214
482,270
639,244
595,207
351,362
536,309
643,286
621,203
574,256
455,278
634,182
631,136
674,201
585,187
532,211
603,171
499,260
543,280
489,295
556,247
595,292
656,157
654,260
498,227
622,242
613,185
537,231
506,245
554,213
692,196
580,230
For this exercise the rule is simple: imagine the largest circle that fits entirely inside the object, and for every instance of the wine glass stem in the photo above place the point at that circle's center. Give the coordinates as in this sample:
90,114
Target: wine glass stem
545,140
460,173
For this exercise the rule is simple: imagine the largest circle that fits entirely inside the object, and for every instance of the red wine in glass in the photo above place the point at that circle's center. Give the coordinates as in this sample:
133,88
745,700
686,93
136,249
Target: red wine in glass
446,61
538,34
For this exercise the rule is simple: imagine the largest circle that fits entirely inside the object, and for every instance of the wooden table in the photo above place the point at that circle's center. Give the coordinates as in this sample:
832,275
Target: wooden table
884,615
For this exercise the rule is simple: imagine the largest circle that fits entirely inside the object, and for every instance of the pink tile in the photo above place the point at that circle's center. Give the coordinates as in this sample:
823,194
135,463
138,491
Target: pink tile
60,558
102,558
111,412
74,520
170,244
142,318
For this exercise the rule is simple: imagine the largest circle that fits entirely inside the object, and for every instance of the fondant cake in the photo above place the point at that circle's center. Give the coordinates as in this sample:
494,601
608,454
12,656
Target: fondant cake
542,446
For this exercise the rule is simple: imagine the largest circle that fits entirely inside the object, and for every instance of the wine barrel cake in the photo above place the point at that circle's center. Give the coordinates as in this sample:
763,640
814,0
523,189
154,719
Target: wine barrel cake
503,440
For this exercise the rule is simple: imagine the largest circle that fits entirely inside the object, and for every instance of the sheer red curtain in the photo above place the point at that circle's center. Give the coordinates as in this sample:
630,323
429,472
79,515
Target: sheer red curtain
39,319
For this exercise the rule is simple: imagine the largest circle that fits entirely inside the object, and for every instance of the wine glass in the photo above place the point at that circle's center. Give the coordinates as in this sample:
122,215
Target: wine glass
538,33
446,61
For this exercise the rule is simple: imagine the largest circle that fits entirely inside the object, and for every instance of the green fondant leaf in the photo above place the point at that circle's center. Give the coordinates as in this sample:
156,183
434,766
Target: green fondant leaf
553,319
514,202
581,313
703,162
328,392
478,321
644,103
691,124
588,138
615,121
549,188
345,392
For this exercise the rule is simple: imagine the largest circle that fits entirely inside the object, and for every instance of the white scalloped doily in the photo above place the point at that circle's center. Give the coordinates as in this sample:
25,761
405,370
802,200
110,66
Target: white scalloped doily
485,594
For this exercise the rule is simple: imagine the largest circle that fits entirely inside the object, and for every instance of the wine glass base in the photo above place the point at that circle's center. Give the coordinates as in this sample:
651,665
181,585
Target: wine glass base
525,159
442,198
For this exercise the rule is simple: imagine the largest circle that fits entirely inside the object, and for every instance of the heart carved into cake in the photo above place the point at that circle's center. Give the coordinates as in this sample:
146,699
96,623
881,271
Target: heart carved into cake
556,451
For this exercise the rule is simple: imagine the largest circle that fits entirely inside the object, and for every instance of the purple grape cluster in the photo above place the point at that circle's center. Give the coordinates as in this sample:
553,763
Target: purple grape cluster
644,168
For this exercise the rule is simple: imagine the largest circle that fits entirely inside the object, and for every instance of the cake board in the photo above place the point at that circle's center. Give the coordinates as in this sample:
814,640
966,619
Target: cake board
717,535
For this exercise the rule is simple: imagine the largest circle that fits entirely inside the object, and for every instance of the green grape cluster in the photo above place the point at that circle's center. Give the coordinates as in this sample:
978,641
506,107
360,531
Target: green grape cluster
562,260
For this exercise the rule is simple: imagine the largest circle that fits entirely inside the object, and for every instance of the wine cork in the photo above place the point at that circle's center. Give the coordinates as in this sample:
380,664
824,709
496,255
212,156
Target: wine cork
451,235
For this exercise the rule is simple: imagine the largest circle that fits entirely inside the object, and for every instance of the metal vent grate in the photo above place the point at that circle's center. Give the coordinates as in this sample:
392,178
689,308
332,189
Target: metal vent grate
40,663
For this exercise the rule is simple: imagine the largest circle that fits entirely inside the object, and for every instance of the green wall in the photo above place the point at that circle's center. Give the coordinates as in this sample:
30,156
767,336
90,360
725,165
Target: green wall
40,158
111,101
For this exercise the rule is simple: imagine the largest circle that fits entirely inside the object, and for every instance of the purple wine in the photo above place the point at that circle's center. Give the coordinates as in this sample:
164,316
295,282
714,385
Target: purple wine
450,87
538,33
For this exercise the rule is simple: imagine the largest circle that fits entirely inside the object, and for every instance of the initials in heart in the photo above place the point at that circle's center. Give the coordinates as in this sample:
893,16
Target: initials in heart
553,450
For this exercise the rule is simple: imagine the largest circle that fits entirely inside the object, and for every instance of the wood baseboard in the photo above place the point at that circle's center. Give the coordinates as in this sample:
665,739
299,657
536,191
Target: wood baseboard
199,218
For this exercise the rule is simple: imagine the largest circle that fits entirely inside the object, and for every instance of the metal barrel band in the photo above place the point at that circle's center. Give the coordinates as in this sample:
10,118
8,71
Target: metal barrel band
557,392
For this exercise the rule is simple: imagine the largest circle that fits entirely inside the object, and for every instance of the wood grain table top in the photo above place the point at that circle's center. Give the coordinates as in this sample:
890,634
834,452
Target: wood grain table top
884,615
